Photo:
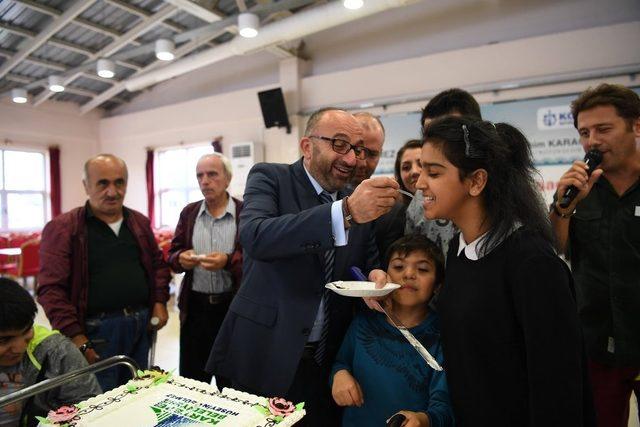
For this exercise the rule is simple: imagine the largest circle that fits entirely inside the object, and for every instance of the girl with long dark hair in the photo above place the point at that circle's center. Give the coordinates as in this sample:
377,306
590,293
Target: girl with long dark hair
512,344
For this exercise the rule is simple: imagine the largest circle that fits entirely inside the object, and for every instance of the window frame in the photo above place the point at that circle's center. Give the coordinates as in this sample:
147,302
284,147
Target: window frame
159,192
4,193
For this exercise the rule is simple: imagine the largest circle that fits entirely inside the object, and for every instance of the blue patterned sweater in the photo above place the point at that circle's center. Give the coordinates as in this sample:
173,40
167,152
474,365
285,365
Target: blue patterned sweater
391,373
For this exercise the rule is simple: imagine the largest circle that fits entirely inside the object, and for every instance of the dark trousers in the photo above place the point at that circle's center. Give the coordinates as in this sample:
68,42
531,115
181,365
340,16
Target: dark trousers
124,332
612,388
197,334
311,386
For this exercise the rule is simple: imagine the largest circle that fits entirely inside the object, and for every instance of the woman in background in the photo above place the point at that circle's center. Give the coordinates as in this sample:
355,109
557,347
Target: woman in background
407,167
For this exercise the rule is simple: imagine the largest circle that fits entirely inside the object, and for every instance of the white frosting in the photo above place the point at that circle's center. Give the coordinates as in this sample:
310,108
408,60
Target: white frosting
191,402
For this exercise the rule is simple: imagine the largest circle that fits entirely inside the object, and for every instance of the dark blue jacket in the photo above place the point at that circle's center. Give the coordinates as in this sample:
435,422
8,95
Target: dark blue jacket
284,232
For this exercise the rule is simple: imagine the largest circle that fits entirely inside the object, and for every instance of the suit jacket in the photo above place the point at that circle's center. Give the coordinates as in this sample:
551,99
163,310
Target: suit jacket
285,232
183,241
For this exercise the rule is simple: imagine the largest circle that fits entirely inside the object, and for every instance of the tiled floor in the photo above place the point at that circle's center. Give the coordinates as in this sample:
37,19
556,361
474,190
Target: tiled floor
168,347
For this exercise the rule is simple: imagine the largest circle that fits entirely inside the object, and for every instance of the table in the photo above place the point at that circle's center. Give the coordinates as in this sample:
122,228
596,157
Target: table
10,251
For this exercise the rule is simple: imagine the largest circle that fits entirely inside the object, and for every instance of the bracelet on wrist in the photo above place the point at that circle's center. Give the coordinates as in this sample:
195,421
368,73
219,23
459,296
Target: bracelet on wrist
348,217
560,214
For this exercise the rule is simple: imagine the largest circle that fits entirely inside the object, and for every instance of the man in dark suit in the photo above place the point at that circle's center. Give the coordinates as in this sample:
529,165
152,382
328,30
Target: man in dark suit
299,230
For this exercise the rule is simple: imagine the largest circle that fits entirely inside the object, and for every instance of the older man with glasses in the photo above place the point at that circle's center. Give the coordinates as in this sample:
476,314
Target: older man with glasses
300,229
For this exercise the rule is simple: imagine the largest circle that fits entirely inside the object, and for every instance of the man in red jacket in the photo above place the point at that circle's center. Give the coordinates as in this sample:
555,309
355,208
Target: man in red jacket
206,246
102,276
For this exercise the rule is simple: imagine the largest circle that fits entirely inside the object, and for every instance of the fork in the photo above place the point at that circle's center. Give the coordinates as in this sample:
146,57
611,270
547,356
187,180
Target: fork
406,193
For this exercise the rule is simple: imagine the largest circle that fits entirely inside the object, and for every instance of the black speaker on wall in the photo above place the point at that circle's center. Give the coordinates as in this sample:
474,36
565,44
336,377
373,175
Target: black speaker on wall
274,112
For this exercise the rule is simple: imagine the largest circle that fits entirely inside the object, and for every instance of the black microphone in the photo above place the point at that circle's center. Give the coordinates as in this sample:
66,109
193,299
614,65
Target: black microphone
593,158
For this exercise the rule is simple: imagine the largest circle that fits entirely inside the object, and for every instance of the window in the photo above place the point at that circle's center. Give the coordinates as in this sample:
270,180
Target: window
176,183
23,194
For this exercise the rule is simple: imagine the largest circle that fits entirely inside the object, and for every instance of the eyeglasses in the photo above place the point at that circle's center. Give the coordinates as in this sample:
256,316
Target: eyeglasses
341,146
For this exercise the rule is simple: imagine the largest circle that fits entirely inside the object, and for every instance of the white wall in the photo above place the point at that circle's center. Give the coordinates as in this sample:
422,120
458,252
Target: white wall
54,123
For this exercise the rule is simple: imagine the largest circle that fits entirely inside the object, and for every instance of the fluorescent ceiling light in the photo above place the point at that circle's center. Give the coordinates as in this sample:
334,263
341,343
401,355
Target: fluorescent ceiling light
248,24
106,68
353,4
165,49
19,95
56,84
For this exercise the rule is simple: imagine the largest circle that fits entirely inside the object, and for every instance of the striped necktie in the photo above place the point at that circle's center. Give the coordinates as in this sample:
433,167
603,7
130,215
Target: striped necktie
329,257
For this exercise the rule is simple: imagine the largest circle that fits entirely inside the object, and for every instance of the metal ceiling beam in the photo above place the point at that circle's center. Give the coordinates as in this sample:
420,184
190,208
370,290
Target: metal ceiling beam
85,23
242,6
28,46
117,88
18,78
19,31
144,25
196,10
97,78
56,66
23,80
135,10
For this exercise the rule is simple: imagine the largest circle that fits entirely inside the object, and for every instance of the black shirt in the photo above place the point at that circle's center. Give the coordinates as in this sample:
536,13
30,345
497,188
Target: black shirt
604,248
117,278
512,346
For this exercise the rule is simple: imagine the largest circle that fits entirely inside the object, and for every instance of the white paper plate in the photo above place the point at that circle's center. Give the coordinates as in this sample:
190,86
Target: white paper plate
360,289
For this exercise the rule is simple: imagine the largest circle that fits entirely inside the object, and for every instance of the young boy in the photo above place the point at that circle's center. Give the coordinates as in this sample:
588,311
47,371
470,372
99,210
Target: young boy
377,373
31,353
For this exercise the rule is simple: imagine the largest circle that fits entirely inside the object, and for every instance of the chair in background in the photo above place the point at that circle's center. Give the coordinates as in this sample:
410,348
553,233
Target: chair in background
164,246
28,262
7,262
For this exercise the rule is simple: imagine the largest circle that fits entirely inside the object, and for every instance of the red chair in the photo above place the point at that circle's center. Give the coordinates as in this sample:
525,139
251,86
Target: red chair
164,246
29,261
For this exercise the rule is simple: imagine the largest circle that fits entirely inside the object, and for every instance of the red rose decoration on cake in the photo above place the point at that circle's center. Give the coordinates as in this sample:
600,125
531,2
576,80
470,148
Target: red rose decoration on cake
281,407
62,414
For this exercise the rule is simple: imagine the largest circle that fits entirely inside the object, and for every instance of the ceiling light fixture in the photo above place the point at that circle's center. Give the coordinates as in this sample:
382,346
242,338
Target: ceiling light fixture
248,24
19,95
106,68
353,4
165,49
56,84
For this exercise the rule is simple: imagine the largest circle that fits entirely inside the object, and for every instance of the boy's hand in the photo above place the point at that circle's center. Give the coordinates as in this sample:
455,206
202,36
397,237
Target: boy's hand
346,391
415,419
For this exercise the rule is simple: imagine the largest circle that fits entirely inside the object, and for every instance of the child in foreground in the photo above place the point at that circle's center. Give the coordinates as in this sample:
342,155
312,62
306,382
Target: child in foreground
377,373
31,353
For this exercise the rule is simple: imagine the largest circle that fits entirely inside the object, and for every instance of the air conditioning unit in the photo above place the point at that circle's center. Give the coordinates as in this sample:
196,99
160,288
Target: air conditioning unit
243,156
